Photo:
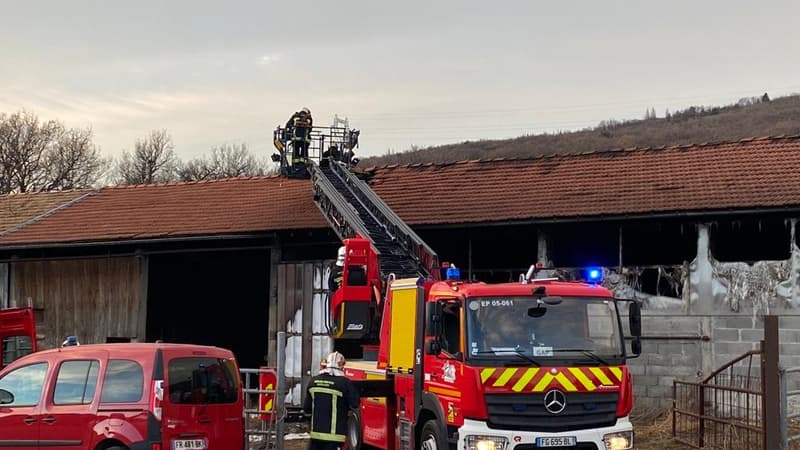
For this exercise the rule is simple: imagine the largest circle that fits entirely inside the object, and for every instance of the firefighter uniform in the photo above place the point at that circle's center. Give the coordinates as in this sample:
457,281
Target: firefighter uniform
299,130
329,398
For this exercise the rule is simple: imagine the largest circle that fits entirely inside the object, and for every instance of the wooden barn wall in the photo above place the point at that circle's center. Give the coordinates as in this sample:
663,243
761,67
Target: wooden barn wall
93,299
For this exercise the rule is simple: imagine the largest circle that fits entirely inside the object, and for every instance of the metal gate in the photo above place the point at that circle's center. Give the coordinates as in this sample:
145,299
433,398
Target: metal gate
790,408
264,421
723,411
737,406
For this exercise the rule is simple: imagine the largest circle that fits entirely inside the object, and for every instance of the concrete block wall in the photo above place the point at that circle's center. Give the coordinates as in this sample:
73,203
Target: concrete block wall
663,361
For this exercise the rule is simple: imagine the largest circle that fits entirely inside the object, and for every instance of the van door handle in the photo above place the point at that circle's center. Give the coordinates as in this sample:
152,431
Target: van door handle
49,419
204,420
29,420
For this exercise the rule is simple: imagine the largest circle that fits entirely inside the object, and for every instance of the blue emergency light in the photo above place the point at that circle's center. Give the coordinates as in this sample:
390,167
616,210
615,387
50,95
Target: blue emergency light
453,273
594,274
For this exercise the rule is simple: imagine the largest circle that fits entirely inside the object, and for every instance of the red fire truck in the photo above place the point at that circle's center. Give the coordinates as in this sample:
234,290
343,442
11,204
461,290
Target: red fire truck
464,365
17,334
474,366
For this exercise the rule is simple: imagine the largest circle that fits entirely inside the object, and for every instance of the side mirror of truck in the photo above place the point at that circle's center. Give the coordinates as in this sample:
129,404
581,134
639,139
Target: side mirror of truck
433,318
433,347
635,319
636,346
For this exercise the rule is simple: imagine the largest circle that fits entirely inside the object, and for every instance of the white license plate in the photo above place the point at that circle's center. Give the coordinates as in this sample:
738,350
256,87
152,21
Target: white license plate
564,441
189,444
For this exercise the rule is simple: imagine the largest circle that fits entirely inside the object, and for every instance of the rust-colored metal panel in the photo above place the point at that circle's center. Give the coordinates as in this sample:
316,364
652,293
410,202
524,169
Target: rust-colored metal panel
91,298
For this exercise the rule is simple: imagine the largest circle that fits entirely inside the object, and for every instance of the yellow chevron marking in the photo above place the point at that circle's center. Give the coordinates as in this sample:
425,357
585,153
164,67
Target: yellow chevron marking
561,378
617,372
546,379
597,372
585,381
268,406
485,374
507,374
525,379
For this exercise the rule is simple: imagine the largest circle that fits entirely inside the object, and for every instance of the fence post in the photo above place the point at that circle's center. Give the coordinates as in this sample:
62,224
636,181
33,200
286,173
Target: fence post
770,384
279,408
784,412
701,412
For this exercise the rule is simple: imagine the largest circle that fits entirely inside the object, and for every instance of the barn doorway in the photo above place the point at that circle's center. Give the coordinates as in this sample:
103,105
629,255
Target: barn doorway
212,298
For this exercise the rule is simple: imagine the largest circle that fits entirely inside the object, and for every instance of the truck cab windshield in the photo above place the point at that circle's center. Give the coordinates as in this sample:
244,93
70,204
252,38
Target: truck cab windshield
576,329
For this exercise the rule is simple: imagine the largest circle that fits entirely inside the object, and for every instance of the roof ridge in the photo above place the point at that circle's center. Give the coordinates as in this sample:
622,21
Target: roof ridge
48,213
181,183
15,194
579,154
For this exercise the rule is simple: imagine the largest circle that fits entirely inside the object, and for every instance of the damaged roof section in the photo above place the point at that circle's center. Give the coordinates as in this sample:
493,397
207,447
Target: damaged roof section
747,174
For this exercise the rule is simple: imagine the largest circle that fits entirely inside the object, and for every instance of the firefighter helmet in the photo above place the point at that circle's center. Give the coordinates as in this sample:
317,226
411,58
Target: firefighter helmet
340,257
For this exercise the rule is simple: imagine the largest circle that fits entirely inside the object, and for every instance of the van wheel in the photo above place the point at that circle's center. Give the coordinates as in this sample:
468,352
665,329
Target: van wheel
431,437
353,430
116,447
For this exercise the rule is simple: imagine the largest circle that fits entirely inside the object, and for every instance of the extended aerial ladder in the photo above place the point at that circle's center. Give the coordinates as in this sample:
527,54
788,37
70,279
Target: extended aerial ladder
353,210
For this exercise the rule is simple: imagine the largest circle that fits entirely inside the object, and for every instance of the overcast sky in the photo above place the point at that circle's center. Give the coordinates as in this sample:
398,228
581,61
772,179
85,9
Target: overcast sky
404,72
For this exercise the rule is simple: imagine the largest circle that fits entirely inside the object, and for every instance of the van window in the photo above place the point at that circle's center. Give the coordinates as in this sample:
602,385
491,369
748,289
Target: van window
202,381
76,383
25,383
15,347
124,382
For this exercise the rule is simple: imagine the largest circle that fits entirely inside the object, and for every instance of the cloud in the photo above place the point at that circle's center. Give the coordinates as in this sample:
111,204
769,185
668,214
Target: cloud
266,60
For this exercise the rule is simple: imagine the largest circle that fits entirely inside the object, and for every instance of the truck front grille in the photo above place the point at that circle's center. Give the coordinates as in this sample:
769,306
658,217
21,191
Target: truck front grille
526,412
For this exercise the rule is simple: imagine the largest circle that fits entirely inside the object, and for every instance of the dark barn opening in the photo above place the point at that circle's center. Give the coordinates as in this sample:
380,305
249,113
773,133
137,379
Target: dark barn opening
658,242
585,244
211,298
751,239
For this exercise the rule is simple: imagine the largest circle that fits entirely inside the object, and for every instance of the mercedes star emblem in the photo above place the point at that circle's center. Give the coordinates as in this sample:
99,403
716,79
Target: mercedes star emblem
555,401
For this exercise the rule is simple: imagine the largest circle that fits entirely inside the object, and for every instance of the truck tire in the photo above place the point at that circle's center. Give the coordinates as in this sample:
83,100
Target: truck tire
354,430
431,437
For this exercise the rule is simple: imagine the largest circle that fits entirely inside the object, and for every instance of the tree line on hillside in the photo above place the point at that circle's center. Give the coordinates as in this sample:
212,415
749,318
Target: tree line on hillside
38,155
747,118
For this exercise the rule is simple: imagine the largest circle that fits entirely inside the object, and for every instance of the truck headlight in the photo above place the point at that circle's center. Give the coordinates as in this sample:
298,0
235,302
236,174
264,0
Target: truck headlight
476,442
622,440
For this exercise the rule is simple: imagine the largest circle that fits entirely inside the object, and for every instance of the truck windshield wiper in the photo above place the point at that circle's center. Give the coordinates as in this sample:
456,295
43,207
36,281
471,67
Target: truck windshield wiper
509,352
586,352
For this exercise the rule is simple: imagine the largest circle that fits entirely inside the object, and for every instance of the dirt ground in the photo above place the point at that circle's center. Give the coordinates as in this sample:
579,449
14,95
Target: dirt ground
651,434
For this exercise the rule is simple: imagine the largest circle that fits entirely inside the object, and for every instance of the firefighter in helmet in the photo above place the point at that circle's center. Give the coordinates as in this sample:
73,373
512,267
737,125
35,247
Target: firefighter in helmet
329,399
298,130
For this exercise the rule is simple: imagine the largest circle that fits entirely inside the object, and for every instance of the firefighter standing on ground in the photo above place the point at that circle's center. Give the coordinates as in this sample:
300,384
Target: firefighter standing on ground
329,399
298,130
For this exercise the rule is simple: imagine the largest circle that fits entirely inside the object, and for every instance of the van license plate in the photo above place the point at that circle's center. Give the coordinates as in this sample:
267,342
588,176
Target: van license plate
564,441
189,444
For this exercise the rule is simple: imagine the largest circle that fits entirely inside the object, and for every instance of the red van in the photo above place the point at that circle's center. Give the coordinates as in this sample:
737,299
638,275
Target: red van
123,397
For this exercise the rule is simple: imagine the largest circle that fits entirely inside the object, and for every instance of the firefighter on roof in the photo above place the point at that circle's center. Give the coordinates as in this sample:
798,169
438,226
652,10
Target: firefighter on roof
298,130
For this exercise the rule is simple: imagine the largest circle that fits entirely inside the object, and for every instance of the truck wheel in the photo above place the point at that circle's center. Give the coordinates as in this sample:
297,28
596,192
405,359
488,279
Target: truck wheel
353,430
431,437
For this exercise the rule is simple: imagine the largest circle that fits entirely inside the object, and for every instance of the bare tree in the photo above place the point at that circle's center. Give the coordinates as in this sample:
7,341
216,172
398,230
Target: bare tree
74,161
227,161
39,156
153,161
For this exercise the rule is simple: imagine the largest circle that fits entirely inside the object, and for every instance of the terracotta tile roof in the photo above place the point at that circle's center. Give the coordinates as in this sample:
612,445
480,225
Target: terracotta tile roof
231,206
19,209
755,173
752,173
